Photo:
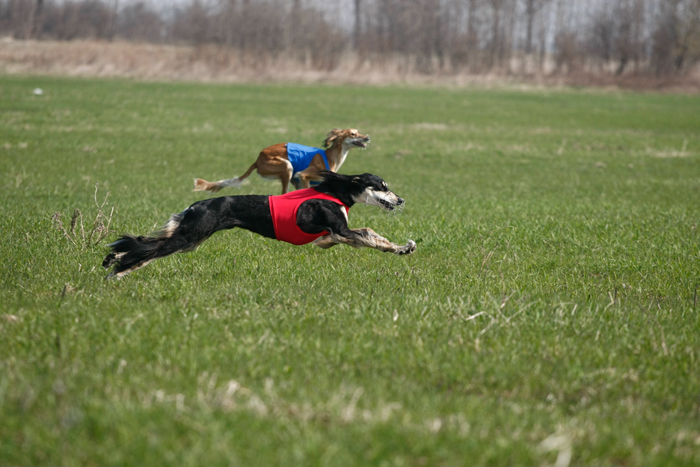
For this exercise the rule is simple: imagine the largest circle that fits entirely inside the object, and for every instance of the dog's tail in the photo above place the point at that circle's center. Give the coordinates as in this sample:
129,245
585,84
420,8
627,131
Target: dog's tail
213,187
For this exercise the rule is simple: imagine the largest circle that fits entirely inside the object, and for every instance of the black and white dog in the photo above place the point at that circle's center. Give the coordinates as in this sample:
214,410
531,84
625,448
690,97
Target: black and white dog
317,215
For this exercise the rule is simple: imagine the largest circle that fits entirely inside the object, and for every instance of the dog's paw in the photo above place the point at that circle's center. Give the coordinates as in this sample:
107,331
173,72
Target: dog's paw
409,248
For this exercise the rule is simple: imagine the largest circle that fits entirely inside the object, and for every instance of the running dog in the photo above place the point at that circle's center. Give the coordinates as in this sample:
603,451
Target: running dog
313,215
291,162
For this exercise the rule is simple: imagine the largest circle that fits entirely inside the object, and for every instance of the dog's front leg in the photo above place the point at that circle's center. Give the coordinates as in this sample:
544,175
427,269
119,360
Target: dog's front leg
305,177
366,237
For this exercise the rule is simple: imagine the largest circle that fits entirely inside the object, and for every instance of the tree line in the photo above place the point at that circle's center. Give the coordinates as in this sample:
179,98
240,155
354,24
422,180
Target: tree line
660,37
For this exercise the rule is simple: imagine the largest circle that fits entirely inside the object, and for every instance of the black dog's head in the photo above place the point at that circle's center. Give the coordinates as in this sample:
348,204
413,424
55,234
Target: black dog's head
365,188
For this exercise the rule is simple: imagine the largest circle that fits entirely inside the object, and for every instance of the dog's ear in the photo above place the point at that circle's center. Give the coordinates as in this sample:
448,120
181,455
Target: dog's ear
328,176
331,137
335,177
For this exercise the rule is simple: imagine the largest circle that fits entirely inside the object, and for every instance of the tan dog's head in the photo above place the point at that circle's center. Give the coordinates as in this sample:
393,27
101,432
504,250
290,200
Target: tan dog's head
350,138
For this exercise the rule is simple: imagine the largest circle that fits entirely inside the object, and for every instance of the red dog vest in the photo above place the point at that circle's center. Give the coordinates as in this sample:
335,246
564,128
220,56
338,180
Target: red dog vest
284,215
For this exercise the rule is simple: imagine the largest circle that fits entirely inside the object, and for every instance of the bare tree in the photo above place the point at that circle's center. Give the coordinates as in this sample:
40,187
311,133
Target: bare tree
138,22
495,29
676,36
532,7
356,33
113,19
472,34
191,23
35,19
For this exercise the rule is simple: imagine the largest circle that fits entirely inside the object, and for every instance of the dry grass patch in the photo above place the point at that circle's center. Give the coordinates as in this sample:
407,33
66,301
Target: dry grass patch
212,63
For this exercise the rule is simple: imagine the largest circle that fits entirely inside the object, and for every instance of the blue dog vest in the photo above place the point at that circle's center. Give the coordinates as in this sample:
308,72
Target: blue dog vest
300,156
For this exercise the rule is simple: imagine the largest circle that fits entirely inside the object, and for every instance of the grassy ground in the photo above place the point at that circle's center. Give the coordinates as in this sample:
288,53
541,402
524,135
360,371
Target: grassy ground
548,316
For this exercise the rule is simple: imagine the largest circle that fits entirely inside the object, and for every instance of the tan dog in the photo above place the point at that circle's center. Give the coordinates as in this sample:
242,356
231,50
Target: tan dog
273,163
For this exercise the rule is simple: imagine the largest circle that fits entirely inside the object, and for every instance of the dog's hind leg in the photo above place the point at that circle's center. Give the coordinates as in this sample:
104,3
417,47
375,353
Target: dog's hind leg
325,242
131,253
180,234
365,237
277,169
286,177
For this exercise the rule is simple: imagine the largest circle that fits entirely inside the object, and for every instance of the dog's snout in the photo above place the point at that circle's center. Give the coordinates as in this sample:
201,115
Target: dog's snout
401,200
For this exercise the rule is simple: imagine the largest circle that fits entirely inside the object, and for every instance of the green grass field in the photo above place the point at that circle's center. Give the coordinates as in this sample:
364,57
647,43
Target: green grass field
549,315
